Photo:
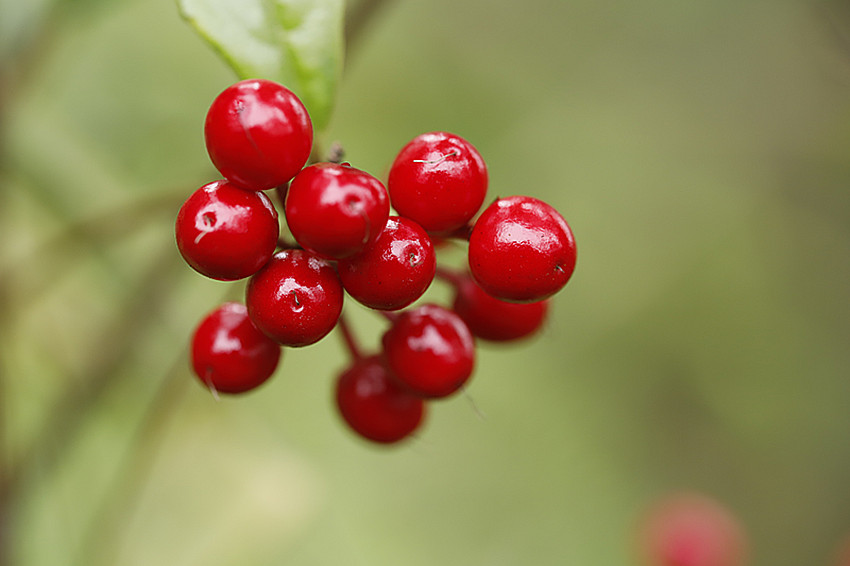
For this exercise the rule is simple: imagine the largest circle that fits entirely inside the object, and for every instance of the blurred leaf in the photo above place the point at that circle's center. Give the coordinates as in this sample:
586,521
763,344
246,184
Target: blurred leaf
19,21
295,42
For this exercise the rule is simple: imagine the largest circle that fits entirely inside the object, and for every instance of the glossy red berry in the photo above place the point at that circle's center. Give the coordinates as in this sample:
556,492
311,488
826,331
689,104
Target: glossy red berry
430,350
336,210
225,232
229,353
692,530
394,270
521,250
495,320
439,180
258,134
296,298
374,406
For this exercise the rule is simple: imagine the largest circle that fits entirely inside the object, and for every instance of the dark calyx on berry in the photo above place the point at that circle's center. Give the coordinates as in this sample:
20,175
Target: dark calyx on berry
394,270
258,134
225,232
438,180
521,250
336,210
296,298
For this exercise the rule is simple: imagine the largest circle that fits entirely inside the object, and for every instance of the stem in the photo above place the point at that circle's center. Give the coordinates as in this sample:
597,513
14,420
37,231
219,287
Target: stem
108,226
452,276
284,244
102,539
391,316
7,494
336,153
358,18
350,340
461,233
65,419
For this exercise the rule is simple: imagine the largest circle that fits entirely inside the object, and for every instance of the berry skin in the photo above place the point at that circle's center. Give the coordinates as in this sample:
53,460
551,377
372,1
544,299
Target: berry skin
430,351
394,270
258,134
495,320
521,250
439,180
296,298
229,353
336,210
225,232
374,406
692,530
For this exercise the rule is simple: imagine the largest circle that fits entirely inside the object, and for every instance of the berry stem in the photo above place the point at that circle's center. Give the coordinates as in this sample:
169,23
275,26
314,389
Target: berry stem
336,153
452,276
391,316
66,418
461,233
357,19
105,533
284,244
348,337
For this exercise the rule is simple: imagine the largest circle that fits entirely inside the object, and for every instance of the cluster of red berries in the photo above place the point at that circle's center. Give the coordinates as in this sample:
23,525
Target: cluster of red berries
259,137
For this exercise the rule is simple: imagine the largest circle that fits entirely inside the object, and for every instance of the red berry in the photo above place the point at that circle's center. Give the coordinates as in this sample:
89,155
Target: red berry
495,320
225,232
439,180
430,351
521,250
296,298
258,134
229,353
336,210
374,406
394,270
841,553
692,530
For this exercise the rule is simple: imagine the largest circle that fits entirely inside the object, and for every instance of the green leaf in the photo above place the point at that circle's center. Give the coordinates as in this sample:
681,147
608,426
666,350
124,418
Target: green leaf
298,43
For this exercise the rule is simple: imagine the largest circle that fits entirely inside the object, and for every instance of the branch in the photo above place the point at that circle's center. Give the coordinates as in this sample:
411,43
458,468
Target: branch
357,19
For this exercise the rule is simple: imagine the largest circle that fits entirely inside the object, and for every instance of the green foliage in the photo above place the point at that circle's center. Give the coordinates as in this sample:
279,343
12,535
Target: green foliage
297,43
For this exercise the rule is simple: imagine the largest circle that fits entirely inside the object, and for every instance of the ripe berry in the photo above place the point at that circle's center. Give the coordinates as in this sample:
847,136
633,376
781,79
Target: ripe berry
374,406
258,134
225,232
430,351
394,270
495,320
229,353
521,250
692,530
336,210
296,298
439,180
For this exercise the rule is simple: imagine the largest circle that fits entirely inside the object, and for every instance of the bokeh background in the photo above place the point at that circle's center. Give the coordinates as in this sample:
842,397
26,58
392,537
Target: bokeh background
698,149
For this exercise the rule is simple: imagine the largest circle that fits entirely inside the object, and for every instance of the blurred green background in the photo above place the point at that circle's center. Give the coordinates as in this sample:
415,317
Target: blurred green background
700,152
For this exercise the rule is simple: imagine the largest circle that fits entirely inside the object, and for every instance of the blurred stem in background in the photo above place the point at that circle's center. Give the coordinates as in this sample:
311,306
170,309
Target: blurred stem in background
48,446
